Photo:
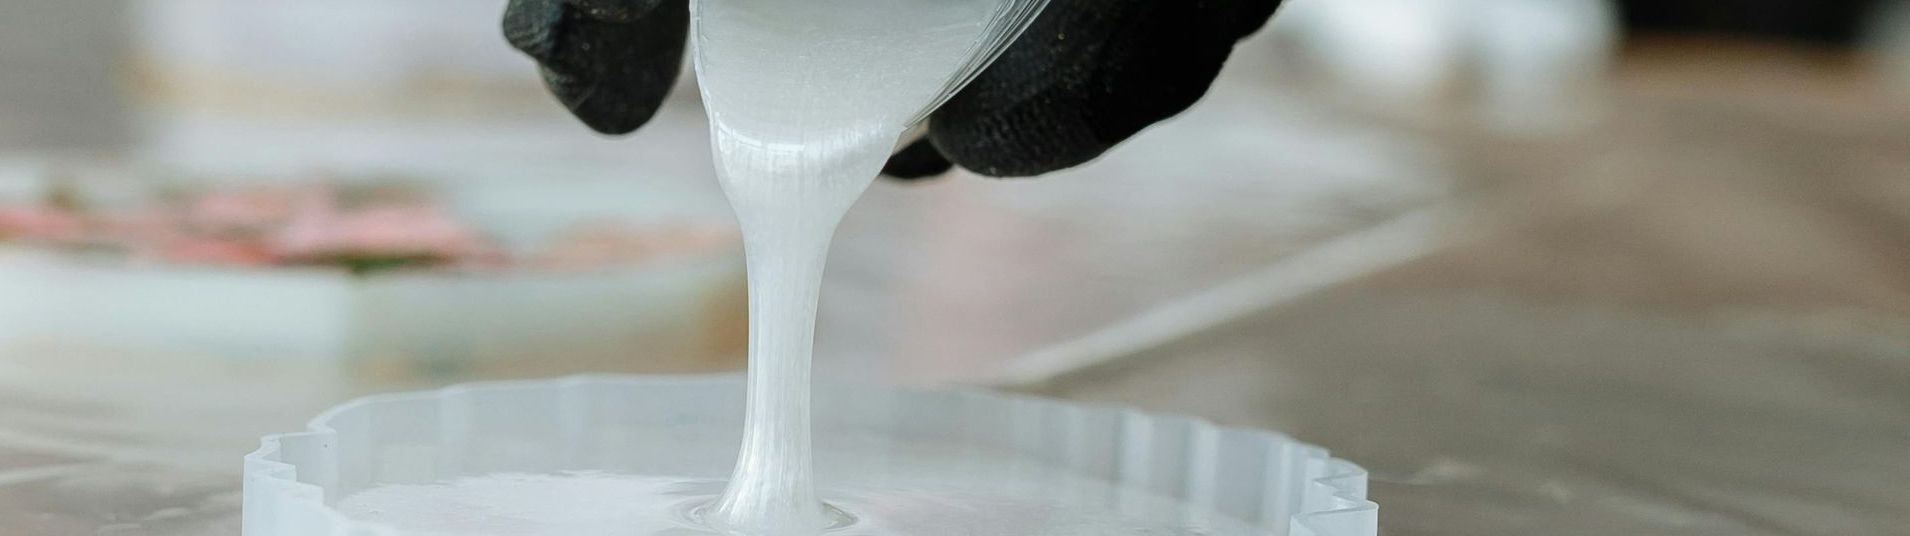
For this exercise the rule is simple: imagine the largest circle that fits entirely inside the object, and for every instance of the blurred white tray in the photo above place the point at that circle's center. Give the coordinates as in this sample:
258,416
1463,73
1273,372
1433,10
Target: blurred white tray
682,312
675,314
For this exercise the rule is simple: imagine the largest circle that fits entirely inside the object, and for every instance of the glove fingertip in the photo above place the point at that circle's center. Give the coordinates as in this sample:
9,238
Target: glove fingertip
920,160
613,76
529,26
615,10
604,113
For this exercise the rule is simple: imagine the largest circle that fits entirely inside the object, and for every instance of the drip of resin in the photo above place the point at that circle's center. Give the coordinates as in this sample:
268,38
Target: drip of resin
806,100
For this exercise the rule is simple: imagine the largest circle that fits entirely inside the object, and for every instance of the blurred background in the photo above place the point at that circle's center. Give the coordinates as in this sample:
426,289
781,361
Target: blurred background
1544,266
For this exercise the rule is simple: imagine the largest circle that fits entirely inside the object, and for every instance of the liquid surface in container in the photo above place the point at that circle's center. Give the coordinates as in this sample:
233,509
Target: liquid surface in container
893,490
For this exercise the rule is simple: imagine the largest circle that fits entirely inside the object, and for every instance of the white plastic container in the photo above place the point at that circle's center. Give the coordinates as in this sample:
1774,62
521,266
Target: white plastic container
617,424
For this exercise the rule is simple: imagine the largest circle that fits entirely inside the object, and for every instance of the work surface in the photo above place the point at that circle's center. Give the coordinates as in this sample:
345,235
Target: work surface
1691,324
1689,319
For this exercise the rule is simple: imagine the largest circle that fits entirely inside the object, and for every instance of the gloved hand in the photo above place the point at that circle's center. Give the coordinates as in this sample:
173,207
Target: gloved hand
1087,75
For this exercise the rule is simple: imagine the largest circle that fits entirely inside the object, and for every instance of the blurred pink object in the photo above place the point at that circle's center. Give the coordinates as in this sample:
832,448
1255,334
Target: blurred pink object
256,209
603,244
214,251
411,231
362,229
40,224
151,224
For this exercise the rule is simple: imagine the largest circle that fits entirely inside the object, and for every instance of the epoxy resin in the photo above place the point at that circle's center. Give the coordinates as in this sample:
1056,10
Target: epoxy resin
806,100
892,489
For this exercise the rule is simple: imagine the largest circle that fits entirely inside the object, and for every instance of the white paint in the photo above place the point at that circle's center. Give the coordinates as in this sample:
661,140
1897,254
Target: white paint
943,492
806,101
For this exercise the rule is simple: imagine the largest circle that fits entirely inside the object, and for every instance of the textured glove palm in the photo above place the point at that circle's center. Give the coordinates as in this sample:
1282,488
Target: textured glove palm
1087,75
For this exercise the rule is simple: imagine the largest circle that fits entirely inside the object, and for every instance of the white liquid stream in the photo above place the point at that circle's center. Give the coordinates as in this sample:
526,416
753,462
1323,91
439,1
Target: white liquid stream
806,100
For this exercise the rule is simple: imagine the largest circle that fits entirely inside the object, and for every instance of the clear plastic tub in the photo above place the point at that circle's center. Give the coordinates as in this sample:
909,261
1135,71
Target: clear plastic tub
634,424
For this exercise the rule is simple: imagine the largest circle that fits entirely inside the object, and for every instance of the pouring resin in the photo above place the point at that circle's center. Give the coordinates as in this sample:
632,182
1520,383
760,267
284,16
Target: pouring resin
806,101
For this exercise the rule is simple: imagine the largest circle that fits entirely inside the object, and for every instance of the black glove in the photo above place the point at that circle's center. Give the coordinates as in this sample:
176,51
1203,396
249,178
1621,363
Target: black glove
1087,75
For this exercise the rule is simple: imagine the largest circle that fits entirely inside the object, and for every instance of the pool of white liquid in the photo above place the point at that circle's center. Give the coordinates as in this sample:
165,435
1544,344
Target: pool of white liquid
633,455
874,490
